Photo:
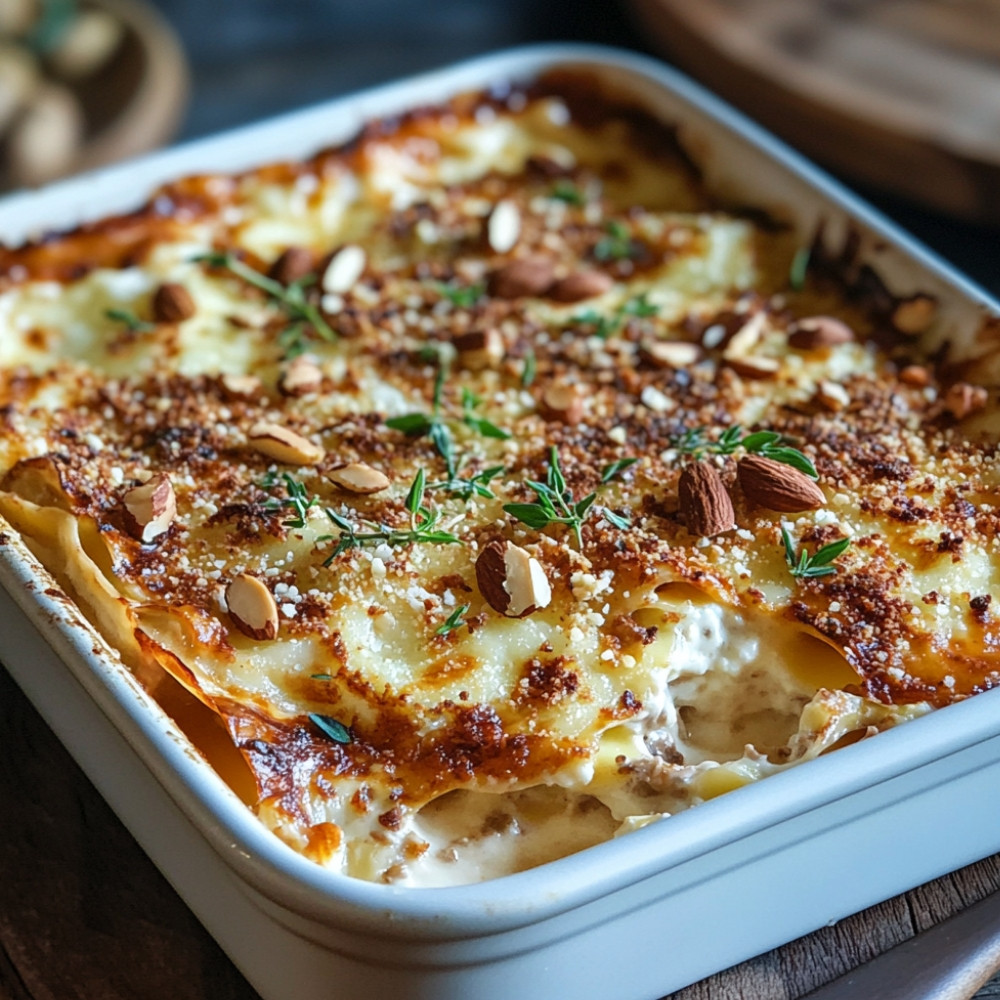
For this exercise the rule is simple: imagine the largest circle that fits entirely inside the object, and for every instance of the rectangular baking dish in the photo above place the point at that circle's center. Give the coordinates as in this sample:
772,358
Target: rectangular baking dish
634,918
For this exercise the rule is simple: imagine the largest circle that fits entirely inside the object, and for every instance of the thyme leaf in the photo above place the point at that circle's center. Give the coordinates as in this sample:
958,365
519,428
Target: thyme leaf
453,621
614,469
131,322
462,296
606,326
568,192
799,268
617,244
297,499
802,565
530,369
331,727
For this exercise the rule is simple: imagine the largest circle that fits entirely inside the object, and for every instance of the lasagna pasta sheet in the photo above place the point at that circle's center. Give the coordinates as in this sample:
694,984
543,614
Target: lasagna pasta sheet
491,487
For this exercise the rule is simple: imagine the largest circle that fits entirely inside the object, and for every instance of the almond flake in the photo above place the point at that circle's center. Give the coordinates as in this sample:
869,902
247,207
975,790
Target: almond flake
511,581
504,227
301,376
284,445
479,349
150,509
356,477
562,403
293,265
815,332
581,285
915,314
962,400
520,278
252,608
670,353
345,268
832,396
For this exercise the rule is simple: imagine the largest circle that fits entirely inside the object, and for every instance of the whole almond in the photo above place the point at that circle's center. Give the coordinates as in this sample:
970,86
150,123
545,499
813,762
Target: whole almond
511,581
704,501
344,270
301,376
504,227
292,265
562,403
581,285
252,608
150,509
284,445
356,477
915,314
172,303
815,332
479,349
777,486
520,278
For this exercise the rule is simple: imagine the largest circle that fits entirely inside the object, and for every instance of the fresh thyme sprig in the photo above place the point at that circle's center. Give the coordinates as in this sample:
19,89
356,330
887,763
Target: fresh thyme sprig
462,296
453,621
131,322
568,192
291,298
470,402
695,442
530,369
606,326
331,727
614,469
799,268
555,504
805,566
298,499
423,526
468,486
617,244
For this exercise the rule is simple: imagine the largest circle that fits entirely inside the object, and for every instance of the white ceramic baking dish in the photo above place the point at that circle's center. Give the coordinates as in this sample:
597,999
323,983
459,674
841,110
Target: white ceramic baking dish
634,918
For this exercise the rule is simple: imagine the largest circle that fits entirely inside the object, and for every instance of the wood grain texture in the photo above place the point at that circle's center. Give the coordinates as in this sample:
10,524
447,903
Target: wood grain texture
84,914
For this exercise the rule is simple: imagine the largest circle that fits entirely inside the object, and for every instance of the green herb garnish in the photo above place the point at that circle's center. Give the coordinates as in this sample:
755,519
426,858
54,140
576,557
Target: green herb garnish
605,326
555,504
453,621
530,369
129,319
820,563
470,401
462,296
466,487
336,730
568,192
422,528
614,469
696,443
799,268
298,500
304,316
617,244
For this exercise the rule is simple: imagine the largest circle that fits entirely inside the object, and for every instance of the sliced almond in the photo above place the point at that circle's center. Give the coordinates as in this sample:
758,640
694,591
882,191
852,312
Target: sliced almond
562,403
356,477
301,376
479,349
242,386
520,278
504,227
670,353
252,608
581,285
344,270
745,340
292,265
915,314
778,486
915,375
754,366
704,501
831,396
962,400
150,509
172,303
284,445
512,581
815,332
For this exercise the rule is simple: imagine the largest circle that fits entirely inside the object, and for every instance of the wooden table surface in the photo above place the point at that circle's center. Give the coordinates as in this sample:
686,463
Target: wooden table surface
83,913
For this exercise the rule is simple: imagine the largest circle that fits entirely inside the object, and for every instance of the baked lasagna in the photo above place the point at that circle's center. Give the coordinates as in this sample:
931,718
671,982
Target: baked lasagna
486,488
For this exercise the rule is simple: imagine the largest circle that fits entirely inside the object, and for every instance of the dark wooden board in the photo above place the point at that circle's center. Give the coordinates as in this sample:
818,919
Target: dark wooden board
84,914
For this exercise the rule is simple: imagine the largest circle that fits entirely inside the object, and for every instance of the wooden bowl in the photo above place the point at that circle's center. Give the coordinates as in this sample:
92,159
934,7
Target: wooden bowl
131,104
903,95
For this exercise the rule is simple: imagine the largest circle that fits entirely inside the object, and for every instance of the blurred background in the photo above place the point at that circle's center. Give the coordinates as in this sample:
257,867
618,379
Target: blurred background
900,98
